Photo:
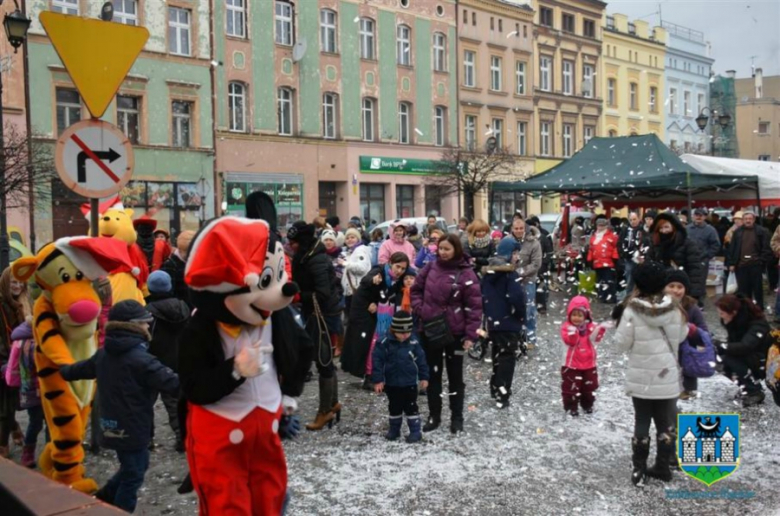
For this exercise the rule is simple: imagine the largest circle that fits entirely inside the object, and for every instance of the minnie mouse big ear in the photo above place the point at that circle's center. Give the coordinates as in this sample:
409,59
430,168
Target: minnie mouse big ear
259,205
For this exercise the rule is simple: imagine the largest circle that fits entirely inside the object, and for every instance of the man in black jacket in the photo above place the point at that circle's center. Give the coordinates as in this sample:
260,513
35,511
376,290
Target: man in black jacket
543,279
632,246
128,378
748,255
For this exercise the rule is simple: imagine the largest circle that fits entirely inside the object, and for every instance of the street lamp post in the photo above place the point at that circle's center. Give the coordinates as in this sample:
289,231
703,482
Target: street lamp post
723,119
16,25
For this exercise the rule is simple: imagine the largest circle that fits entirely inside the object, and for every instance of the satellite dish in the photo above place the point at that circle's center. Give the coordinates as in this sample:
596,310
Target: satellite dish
299,50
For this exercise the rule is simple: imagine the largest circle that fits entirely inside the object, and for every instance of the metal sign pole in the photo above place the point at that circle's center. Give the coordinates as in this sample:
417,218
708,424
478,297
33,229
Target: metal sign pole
94,207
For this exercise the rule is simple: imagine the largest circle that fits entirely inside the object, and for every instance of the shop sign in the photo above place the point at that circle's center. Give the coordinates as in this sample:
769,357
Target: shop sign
379,165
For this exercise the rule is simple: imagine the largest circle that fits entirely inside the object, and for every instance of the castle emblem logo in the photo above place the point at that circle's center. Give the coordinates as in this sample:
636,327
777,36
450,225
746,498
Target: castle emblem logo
708,445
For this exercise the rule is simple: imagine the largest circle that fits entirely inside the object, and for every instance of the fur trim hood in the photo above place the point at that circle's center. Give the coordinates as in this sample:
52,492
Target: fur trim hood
679,229
656,310
531,233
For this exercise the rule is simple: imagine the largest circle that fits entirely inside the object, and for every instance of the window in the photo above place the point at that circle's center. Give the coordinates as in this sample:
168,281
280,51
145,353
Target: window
372,201
403,45
179,31
568,134
366,38
127,109
500,25
327,197
284,23
126,11
68,108
519,78
763,157
700,102
284,110
545,67
568,79
181,123
763,128
236,106
611,22
465,16
440,125
498,132
328,31
495,73
65,6
525,31
546,17
611,100
589,86
544,140
631,29
632,100
236,18
522,138
439,52
672,101
686,103
492,23
589,28
613,134
568,22
589,131
471,132
469,59
653,99
368,120
404,116
473,18
330,116
404,201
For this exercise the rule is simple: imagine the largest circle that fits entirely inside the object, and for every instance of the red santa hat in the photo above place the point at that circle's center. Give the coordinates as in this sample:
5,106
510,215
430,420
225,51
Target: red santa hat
227,254
96,257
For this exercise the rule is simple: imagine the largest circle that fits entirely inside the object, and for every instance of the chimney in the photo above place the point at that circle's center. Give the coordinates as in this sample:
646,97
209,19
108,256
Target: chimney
731,74
759,82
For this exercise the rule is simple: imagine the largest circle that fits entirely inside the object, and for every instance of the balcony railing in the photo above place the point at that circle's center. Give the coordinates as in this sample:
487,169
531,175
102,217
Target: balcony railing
683,32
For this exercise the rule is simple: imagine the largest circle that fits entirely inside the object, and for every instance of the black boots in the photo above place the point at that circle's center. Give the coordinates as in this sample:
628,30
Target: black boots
434,421
665,458
640,449
456,408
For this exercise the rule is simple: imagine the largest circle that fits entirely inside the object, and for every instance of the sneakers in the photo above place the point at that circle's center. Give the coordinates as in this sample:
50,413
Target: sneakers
688,395
755,398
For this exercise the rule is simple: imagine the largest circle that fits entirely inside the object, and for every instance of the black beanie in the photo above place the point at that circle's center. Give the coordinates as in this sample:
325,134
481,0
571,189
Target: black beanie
679,276
301,232
650,277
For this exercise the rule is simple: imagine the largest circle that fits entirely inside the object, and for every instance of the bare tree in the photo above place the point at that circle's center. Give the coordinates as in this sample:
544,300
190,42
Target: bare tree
29,168
462,171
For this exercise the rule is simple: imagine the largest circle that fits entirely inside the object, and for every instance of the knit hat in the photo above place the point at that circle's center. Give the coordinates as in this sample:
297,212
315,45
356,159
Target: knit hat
184,240
129,310
496,234
679,276
506,247
402,322
650,277
354,232
300,231
159,282
328,234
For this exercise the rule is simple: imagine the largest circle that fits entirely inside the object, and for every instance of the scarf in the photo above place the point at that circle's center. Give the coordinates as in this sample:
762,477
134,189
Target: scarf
406,301
333,252
481,242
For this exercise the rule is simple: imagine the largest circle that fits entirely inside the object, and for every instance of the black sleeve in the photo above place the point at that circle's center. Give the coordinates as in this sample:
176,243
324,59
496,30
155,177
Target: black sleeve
84,370
293,351
320,269
694,267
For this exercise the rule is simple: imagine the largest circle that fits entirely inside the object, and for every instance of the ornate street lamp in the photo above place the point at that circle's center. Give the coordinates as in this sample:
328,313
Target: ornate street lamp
16,25
723,119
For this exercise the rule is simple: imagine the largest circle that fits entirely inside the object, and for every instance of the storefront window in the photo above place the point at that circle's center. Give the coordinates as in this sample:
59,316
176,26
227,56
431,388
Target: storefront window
433,195
175,206
287,196
327,198
404,201
505,204
372,203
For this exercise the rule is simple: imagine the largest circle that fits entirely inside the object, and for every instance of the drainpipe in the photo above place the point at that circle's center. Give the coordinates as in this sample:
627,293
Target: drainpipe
28,122
213,80
457,97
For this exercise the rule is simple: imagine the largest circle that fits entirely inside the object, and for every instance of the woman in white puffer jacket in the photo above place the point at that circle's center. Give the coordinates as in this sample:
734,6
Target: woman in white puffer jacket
357,265
650,329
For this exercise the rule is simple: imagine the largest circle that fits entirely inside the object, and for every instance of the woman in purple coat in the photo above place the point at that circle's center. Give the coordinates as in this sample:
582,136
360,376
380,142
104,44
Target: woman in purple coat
450,286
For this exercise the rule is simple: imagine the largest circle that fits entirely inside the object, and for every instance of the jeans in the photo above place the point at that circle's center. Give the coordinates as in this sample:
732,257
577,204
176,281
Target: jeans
121,490
629,275
34,426
662,412
530,311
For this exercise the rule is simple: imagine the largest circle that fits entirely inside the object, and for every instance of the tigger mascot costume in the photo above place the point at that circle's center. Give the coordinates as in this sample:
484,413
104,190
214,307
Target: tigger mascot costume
242,360
65,321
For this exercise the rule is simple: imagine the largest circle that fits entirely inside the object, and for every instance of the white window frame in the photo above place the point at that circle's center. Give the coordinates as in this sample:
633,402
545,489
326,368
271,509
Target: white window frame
545,73
123,14
440,126
72,110
367,112
403,45
65,6
283,23
568,136
329,31
672,101
177,29
520,75
123,116
587,74
470,128
330,117
235,11
633,94
178,121
687,111
496,79
367,38
469,68
237,102
439,52
588,132
404,123
700,102
522,138
653,99
497,124
567,70
544,138
285,112
611,98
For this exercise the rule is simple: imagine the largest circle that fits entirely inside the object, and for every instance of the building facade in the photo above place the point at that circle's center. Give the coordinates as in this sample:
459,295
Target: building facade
758,117
687,76
335,107
163,106
632,81
495,41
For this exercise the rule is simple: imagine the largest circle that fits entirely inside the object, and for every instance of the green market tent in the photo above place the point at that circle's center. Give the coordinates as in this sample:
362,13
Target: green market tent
626,168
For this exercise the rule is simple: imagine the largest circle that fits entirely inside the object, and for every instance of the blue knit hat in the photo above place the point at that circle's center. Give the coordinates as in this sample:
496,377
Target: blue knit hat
506,247
159,282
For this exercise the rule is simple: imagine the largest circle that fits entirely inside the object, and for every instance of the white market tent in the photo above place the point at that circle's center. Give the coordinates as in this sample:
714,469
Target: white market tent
767,172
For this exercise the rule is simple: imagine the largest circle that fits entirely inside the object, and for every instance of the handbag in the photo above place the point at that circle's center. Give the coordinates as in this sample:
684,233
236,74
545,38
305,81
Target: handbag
437,329
698,361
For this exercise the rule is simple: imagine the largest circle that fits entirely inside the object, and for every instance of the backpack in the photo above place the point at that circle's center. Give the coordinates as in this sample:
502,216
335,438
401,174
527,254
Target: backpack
698,361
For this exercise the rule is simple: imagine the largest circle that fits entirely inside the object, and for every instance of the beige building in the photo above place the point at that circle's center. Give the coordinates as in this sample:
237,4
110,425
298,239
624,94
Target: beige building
632,81
758,117
496,90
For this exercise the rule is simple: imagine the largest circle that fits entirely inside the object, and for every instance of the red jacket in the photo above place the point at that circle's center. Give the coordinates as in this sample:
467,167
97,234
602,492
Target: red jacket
605,253
579,351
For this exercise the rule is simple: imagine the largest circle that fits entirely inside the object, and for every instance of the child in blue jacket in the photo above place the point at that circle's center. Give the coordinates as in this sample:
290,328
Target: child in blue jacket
398,366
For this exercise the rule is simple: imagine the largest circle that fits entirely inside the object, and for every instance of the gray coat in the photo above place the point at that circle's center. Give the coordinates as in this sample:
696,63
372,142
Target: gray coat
530,256
707,237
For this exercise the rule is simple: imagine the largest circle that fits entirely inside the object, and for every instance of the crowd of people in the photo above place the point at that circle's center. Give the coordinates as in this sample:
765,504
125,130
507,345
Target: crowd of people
397,311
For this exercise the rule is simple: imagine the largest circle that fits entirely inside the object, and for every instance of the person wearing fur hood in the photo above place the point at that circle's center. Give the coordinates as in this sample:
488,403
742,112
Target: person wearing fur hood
650,329
670,245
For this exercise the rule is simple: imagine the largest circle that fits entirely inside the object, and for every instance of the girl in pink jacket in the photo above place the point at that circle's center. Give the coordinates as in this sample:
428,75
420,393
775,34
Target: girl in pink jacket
578,372
397,243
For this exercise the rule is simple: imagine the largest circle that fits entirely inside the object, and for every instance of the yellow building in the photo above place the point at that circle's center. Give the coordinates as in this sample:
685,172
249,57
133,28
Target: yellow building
632,78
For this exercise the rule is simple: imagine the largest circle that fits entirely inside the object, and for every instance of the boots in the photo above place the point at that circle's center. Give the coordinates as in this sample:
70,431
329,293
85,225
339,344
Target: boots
456,408
754,398
322,419
415,436
665,458
335,405
640,449
186,486
395,428
434,421
28,456
325,416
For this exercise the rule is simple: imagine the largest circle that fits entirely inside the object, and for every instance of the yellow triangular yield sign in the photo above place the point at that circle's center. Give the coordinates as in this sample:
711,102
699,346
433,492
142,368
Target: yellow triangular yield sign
97,54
